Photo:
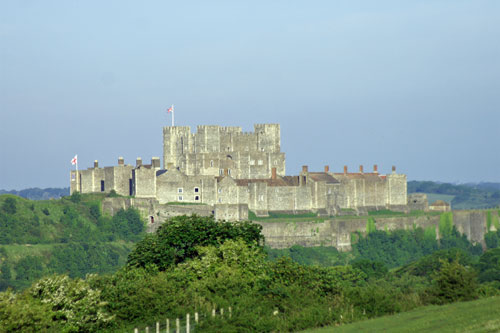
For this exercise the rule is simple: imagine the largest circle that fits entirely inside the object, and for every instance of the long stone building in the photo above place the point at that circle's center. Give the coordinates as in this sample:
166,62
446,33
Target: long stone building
233,172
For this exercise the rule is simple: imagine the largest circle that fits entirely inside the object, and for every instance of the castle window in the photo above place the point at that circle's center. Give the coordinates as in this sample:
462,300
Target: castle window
262,148
221,172
220,200
229,171
329,191
275,162
102,185
73,177
260,162
179,190
196,190
180,197
196,198
220,190
211,163
261,197
252,162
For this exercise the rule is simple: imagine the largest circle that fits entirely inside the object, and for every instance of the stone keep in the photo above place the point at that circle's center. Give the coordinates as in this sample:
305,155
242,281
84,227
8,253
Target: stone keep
213,149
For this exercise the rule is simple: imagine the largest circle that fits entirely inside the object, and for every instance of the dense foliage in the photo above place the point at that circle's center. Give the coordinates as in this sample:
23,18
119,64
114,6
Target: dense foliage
69,236
211,264
178,239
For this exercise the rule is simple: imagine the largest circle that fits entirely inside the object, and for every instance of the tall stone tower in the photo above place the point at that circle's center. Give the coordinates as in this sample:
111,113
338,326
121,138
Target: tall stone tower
214,149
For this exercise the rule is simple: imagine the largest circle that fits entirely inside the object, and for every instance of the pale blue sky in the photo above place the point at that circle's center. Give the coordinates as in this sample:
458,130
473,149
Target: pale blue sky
414,84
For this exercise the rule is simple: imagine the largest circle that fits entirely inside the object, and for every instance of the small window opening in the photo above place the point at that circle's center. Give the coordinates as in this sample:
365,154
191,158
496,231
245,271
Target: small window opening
102,186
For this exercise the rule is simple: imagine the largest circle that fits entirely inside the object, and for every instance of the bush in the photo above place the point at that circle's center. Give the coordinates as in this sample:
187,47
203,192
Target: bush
452,283
75,303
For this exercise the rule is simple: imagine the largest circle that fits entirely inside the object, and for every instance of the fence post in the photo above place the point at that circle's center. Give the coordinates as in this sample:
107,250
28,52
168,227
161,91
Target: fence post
230,312
136,330
196,317
147,329
157,327
177,326
168,325
222,312
213,312
187,323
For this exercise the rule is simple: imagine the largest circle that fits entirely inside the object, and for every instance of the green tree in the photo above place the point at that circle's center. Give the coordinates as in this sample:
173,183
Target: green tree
178,239
489,266
453,282
9,206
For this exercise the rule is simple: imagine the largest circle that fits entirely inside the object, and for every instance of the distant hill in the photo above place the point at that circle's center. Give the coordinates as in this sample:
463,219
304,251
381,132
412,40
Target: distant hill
462,196
40,193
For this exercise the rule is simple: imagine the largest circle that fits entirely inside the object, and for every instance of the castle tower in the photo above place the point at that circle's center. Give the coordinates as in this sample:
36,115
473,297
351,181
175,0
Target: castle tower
268,137
214,148
176,143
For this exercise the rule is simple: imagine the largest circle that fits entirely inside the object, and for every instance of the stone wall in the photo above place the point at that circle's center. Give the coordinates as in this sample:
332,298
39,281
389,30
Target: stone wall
337,232
231,212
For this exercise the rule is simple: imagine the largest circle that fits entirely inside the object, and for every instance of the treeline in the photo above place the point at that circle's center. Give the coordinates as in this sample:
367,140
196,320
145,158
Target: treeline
193,264
70,236
467,196
73,259
76,218
39,193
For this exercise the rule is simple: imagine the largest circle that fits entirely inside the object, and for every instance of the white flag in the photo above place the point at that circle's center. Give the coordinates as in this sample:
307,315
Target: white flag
74,160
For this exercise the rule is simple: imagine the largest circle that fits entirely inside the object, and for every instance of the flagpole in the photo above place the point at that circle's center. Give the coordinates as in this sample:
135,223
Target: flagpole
173,112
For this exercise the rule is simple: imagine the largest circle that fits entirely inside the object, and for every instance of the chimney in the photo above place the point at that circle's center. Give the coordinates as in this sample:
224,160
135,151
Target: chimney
273,174
393,169
121,161
327,168
360,169
138,162
96,164
155,162
345,169
304,168
375,168
226,172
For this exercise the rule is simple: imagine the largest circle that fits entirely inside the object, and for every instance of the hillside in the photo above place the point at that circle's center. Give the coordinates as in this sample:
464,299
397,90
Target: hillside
476,316
466,196
69,235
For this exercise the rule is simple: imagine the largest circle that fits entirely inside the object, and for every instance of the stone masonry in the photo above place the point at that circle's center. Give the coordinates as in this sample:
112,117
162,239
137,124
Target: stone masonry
232,172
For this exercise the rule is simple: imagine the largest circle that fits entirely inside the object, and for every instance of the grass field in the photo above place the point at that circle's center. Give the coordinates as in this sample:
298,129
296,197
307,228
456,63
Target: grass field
477,316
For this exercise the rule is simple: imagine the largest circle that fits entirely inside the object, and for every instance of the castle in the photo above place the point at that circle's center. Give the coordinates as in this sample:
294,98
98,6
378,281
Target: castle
230,172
